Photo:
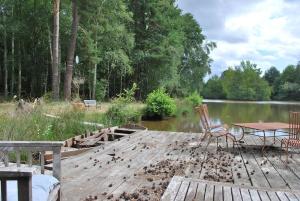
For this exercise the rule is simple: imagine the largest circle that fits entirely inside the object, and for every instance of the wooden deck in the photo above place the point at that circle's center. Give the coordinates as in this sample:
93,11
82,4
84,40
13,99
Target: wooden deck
187,189
141,166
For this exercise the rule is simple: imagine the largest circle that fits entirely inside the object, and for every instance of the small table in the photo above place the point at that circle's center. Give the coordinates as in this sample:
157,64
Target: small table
262,127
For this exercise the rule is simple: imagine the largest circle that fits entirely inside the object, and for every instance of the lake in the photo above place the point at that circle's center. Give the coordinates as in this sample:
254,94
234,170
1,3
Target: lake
228,112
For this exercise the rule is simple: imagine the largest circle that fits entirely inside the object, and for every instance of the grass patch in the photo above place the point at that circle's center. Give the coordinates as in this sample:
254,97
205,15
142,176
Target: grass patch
35,125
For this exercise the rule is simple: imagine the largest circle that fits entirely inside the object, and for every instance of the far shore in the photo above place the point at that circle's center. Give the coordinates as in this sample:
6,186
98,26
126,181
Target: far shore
253,102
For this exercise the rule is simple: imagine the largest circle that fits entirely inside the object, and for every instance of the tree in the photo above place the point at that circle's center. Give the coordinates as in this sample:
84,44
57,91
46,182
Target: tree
71,52
195,62
213,89
244,83
55,50
272,76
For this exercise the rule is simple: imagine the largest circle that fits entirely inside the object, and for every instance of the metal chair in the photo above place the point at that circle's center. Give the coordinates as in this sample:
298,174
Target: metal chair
215,131
294,134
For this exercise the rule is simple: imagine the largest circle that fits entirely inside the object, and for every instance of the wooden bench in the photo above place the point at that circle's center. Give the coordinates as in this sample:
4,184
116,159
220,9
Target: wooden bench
23,173
187,189
90,103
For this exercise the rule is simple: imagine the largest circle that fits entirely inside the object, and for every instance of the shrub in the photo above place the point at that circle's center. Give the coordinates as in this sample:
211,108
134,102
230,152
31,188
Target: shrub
195,99
159,104
121,112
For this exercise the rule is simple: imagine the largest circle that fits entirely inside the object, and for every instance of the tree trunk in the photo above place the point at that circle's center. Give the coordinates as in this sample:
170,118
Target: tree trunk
55,41
71,52
94,82
19,71
5,59
12,64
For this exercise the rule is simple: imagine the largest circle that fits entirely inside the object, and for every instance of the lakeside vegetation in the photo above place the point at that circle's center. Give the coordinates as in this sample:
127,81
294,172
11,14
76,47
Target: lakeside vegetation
30,122
245,82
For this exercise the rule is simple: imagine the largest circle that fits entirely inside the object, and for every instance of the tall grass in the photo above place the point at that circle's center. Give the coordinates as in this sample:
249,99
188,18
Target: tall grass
36,126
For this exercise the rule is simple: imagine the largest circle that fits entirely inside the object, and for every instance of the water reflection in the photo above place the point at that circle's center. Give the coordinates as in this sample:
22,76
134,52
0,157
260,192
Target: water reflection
228,113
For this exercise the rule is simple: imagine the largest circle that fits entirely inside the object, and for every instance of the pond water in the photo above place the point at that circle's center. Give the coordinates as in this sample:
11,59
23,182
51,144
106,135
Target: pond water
227,112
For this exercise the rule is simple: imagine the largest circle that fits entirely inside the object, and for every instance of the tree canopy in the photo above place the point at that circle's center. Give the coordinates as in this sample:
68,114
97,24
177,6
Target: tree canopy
240,83
246,83
151,43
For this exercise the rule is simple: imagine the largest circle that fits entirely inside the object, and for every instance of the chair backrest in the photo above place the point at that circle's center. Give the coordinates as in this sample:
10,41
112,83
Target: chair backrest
204,117
30,147
294,128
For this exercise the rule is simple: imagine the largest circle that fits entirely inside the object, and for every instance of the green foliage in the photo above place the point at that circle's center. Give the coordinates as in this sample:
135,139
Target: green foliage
271,75
168,48
241,83
213,89
47,97
121,112
195,99
159,104
127,96
101,88
36,126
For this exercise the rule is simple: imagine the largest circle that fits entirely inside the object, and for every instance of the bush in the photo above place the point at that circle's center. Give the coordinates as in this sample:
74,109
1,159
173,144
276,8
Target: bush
121,112
195,99
159,104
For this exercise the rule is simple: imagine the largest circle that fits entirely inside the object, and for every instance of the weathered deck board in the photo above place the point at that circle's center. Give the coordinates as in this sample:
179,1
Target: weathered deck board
212,191
82,175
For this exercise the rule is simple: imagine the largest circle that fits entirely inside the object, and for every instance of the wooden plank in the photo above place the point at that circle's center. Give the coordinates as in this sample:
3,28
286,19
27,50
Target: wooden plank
287,175
200,195
263,196
254,195
227,193
172,189
209,193
291,196
191,194
245,194
182,191
273,196
272,176
218,195
254,171
282,196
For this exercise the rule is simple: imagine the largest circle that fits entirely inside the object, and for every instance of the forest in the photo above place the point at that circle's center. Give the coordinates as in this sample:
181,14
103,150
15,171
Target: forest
67,49
64,50
246,82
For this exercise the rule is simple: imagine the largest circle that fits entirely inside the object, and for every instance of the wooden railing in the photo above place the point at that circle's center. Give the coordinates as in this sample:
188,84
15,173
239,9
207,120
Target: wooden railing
15,148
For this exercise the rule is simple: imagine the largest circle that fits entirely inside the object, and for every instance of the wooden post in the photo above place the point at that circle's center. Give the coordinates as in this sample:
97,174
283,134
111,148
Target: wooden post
3,190
57,163
25,188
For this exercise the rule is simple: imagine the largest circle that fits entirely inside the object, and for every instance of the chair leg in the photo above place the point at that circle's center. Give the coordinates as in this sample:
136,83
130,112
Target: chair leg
287,155
226,142
280,150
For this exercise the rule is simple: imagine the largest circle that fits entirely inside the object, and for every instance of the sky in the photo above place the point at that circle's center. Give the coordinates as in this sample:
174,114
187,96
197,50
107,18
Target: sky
266,32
